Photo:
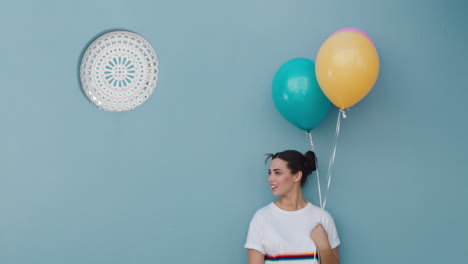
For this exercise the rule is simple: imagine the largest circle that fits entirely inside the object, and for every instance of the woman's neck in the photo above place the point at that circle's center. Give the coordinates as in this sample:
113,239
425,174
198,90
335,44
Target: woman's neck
292,202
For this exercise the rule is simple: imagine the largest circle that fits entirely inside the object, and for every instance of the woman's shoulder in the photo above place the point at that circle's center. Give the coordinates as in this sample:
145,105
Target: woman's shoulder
264,211
318,210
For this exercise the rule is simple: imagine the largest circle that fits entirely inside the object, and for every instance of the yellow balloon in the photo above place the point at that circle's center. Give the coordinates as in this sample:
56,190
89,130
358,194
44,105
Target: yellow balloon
347,66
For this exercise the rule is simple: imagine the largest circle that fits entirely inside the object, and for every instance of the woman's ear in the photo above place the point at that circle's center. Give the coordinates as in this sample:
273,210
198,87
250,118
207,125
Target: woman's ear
298,176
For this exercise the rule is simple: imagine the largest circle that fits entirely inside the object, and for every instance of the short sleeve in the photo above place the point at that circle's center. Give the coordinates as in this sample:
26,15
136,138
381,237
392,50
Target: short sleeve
254,236
330,227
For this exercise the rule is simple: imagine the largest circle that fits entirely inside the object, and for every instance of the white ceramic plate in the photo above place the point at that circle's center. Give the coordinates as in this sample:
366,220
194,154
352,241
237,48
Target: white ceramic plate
119,71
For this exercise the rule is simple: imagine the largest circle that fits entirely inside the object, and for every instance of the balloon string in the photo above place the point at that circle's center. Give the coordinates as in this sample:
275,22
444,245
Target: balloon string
311,141
332,158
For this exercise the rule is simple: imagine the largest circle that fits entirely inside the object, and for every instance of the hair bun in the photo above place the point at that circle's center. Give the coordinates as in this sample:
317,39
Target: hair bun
310,163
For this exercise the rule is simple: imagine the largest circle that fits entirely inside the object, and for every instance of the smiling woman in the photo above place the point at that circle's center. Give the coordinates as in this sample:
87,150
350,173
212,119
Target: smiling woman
291,228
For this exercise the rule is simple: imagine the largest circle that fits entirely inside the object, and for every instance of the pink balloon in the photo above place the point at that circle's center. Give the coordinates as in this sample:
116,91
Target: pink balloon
355,30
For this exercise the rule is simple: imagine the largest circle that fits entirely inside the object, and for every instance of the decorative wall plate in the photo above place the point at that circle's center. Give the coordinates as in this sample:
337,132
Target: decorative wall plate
119,71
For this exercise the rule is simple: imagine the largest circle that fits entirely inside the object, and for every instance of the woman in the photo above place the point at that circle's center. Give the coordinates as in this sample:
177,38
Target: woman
291,230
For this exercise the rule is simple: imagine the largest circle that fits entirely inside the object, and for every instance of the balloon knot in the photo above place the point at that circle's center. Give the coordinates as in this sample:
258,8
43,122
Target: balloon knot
343,112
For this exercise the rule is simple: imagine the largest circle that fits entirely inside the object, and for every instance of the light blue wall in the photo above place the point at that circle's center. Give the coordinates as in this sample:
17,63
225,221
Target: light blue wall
178,179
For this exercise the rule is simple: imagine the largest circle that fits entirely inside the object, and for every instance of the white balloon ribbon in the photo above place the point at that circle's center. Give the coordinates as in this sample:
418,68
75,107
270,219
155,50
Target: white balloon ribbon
341,113
311,141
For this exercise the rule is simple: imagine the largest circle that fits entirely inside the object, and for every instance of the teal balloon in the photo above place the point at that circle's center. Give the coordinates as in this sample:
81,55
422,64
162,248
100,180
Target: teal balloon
297,94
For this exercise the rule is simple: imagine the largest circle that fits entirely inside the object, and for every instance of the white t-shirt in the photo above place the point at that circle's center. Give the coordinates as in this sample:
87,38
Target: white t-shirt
284,236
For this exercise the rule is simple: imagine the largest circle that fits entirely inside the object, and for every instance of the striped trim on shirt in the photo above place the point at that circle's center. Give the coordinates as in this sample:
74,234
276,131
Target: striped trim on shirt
292,256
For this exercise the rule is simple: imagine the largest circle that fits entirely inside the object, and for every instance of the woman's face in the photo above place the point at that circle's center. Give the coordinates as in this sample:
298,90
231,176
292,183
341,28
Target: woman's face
280,178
